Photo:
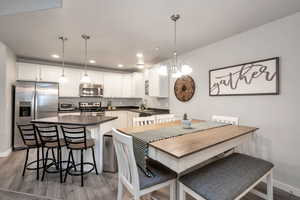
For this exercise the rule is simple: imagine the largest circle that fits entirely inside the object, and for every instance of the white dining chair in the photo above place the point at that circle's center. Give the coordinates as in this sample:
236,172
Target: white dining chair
225,119
165,118
142,121
132,177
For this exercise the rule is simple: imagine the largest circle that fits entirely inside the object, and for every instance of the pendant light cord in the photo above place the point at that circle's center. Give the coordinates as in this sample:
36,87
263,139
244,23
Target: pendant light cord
63,39
85,60
63,57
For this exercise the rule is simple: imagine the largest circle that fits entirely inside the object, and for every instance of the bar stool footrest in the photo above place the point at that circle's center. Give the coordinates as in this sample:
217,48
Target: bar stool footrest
78,172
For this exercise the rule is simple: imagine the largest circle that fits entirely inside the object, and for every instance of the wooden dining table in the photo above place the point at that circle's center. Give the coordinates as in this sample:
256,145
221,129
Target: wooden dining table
184,152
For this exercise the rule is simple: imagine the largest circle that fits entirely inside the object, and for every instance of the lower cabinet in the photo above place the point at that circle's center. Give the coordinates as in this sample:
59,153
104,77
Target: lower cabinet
125,118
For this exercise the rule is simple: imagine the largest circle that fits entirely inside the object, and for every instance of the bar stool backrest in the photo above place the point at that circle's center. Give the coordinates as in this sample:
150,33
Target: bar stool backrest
74,135
28,134
48,134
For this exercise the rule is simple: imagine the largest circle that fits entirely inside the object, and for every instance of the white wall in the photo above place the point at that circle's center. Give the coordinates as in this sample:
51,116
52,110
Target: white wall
7,78
276,116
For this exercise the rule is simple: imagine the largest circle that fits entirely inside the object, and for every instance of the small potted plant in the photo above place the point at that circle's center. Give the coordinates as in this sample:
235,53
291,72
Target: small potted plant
186,123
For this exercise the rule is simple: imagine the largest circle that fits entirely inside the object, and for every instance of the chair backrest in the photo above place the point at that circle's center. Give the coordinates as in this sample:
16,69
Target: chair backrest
165,118
128,171
226,119
48,134
28,134
74,135
142,121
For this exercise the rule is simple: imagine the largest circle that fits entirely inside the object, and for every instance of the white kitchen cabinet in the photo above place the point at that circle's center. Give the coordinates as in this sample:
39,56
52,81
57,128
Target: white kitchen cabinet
28,71
127,86
130,116
138,85
50,73
158,85
95,76
70,88
113,85
122,118
125,118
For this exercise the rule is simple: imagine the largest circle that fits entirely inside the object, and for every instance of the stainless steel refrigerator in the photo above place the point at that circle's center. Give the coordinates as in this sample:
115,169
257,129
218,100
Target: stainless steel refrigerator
32,100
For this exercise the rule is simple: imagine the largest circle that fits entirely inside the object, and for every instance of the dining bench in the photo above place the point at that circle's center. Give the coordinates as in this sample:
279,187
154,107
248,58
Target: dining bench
229,178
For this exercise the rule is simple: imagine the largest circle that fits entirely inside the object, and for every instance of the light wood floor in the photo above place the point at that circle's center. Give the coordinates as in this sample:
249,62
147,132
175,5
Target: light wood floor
103,187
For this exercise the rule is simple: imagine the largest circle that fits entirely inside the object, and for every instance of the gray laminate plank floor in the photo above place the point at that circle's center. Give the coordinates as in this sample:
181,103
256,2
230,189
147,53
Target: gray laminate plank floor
103,187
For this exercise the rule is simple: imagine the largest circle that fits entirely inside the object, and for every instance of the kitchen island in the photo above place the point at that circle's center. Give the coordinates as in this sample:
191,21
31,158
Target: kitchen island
97,126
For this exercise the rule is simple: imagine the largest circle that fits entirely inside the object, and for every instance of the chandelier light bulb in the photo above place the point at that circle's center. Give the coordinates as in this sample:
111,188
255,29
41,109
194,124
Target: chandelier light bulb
163,70
186,69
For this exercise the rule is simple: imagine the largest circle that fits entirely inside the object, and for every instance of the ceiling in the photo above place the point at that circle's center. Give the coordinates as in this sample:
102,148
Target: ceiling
121,28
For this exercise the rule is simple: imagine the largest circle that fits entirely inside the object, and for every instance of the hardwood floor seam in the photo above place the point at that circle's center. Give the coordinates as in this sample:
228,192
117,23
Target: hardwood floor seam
28,194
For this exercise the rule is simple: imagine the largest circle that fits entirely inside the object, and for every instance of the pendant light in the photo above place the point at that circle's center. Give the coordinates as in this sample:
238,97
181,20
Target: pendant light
176,68
62,78
85,78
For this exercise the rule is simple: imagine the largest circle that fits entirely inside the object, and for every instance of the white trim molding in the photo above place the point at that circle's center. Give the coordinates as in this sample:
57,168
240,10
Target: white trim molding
5,153
288,188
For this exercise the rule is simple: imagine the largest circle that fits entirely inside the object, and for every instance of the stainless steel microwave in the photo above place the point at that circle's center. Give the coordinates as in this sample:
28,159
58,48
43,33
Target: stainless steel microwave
90,90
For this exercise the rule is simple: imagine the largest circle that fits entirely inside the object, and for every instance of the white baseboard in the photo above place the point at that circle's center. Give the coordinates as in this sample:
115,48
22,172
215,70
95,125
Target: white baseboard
287,188
5,153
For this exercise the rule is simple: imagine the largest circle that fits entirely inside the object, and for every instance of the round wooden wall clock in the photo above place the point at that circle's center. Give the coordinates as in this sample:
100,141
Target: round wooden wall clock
184,88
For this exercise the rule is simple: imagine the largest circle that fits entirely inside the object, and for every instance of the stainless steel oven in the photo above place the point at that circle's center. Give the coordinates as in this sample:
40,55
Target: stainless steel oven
90,90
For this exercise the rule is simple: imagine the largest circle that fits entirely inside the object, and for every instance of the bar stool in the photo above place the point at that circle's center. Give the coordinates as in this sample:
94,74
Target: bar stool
76,139
50,140
31,141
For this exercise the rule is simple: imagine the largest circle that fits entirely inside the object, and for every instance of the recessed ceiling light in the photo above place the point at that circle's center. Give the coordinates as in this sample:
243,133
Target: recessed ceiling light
139,55
120,65
92,61
156,48
55,56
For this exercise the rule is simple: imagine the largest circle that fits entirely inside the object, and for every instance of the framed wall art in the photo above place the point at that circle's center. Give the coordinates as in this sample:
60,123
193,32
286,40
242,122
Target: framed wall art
253,78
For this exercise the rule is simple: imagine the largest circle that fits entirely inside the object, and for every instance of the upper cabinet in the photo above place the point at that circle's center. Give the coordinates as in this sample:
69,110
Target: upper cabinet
138,85
158,84
116,85
113,85
127,90
28,72
70,88
50,73
95,76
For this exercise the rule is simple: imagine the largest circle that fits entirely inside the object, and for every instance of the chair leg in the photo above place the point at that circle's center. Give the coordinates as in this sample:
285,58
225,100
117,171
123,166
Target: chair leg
94,160
25,164
270,186
182,194
38,163
69,160
45,164
54,160
73,160
60,165
173,191
81,168
120,190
